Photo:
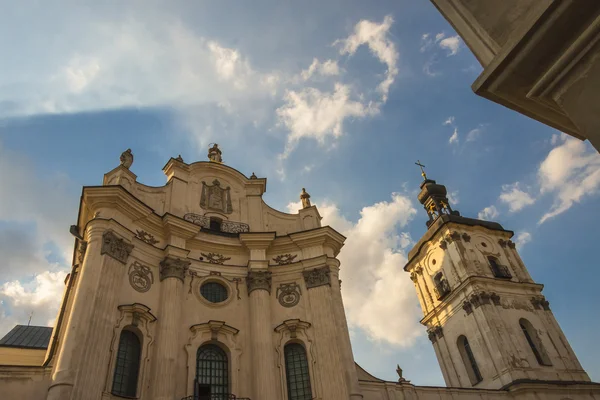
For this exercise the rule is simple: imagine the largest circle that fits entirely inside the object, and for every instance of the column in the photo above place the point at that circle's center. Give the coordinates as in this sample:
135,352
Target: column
261,335
172,275
83,358
326,335
344,341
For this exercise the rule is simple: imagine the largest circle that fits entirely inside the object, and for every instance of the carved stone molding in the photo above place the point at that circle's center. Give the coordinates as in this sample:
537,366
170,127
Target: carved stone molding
292,326
173,268
140,277
443,245
215,328
317,277
467,307
502,243
199,220
453,237
465,236
234,227
435,333
146,237
288,294
419,270
540,303
258,280
115,247
284,259
214,197
81,251
495,299
413,276
215,258
511,244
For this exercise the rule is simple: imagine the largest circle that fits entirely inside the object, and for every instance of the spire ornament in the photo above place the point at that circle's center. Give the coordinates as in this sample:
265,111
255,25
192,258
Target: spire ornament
423,174
434,198
305,198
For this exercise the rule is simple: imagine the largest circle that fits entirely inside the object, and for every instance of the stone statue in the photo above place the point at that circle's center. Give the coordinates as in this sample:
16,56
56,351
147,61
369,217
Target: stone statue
305,197
179,158
214,154
127,158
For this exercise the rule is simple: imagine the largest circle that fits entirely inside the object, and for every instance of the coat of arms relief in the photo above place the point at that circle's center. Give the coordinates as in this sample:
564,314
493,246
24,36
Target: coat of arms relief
216,198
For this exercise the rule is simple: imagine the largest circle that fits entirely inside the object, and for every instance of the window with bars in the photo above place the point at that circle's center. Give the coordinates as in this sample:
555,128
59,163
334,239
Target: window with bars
212,371
296,372
213,292
469,360
127,365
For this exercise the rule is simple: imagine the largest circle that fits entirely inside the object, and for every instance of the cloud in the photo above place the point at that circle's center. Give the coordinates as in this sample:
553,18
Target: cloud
374,284
449,121
452,44
570,172
376,37
474,133
453,197
454,137
516,198
489,213
522,238
327,68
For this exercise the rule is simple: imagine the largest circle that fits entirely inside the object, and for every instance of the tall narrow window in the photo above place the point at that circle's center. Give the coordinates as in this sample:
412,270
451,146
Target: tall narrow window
469,360
499,270
296,372
127,367
212,372
441,286
534,342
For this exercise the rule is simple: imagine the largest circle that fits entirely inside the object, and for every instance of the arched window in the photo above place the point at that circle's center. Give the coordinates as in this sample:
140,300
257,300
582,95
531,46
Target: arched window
534,342
127,366
296,372
212,372
441,286
469,360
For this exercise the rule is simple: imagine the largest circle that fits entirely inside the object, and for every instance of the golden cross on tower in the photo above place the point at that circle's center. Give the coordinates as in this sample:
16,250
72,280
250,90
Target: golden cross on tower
423,174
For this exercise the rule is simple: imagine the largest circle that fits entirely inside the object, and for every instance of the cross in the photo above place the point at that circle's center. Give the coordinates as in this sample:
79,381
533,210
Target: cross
422,170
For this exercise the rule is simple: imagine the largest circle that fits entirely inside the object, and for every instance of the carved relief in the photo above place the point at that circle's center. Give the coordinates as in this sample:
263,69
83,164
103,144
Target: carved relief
502,243
435,333
511,244
284,259
443,245
114,246
214,197
317,277
215,258
453,237
467,307
140,277
173,268
146,237
81,251
495,299
258,280
288,294
466,237
234,227
540,303
199,220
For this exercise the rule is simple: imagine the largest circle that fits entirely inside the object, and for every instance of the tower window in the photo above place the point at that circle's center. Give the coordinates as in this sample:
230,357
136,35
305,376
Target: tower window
499,270
534,342
215,224
127,367
469,360
296,372
441,286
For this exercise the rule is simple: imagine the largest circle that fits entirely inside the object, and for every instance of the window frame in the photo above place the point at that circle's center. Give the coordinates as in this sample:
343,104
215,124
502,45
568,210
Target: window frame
226,370
120,369
535,343
307,390
215,283
469,361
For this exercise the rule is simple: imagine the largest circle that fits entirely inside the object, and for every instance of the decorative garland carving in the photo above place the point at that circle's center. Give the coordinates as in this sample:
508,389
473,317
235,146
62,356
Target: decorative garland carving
284,259
288,294
146,237
116,247
258,280
140,277
215,258
173,268
317,277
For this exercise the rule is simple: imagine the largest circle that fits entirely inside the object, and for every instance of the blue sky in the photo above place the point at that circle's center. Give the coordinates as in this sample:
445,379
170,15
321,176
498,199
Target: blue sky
338,97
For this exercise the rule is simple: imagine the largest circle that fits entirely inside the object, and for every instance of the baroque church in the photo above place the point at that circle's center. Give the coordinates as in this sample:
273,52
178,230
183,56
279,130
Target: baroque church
199,290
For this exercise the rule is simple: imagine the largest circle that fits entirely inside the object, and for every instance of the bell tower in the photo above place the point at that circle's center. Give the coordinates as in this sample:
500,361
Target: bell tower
487,319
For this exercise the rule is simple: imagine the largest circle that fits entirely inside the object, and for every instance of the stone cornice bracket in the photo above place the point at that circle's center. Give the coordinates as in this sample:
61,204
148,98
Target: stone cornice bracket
215,328
292,326
115,247
258,280
173,268
179,227
540,303
257,243
317,277
96,198
138,311
434,333
324,236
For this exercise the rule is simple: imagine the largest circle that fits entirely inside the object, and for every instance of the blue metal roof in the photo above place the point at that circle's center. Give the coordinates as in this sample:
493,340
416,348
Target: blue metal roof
31,337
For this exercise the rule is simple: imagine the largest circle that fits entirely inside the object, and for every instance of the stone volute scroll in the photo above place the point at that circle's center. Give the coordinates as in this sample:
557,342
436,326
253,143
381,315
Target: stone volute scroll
126,158
216,198
258,280
317,277
173,268
115,247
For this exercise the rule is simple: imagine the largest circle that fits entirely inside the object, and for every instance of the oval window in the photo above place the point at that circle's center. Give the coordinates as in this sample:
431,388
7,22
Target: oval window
213,292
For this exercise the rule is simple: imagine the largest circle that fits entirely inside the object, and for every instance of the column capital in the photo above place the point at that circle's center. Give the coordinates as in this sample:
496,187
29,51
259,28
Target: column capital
115,247
317,277
173,268
258,280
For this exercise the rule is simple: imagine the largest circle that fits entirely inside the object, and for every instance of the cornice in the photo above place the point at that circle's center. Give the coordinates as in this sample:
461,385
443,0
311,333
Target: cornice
179,227
324,236
257,240
117,197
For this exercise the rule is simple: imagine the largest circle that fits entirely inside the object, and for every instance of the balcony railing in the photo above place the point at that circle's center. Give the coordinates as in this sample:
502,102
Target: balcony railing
501,271
441,289
216,396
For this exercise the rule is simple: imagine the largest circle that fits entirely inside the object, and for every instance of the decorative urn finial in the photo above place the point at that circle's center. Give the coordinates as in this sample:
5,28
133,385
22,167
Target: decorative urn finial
126,158
214,153
305,197
253,176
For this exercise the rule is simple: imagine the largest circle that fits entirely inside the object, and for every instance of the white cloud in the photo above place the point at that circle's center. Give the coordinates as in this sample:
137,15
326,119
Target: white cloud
449,121
452,44
374,284
489,213
376,37
516,198
327,68
522,238
454,137
571,171
453,197
474,133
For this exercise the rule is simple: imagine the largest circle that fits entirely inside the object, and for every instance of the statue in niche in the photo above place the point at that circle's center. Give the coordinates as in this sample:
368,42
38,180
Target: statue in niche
214,197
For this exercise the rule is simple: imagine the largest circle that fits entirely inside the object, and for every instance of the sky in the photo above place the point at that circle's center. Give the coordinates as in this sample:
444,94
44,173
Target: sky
339,97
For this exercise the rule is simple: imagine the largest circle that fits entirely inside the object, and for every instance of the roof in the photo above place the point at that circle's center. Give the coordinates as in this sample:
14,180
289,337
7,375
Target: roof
30,337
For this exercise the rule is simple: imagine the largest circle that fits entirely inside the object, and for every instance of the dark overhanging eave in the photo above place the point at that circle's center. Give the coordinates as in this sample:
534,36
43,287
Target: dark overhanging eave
446,219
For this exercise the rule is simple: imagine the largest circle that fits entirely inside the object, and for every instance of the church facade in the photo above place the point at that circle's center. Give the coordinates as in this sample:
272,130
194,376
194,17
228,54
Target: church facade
199,290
